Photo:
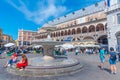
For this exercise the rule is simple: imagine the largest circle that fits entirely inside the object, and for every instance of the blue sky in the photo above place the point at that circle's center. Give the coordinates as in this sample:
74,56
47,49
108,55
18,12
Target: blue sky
32,14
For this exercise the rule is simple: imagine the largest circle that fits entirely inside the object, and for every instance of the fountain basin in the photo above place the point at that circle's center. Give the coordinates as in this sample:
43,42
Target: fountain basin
48,42
48,65
39,67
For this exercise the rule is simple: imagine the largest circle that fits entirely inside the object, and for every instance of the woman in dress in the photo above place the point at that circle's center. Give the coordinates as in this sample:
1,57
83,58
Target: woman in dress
23,63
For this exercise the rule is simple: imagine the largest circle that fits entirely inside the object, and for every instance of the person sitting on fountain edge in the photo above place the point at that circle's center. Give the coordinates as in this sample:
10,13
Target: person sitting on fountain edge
13,59
23,63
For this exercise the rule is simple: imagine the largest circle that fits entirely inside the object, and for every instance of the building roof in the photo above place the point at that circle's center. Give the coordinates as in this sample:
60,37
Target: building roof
78,14
27,30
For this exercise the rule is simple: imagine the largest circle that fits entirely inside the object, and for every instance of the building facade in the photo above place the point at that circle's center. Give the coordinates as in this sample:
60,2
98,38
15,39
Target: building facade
98,23
85,25
6,38
25,37
113,24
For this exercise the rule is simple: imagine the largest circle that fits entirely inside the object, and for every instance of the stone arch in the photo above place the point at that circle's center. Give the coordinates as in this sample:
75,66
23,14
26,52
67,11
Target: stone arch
118,38
84,30
102,39
73,31
69,32
78,30
44,36
54,34
66,32
91,28
58,33
62,33
73,39
88,38
51,35
100,27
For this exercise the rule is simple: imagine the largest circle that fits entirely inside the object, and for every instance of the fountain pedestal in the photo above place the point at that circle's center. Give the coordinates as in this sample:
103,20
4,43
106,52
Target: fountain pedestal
48,52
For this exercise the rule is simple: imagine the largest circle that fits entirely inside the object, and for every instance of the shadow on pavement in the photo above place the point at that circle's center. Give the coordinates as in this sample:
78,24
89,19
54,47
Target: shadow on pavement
108,70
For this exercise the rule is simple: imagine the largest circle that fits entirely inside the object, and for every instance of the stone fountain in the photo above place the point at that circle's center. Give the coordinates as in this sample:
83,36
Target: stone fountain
49,65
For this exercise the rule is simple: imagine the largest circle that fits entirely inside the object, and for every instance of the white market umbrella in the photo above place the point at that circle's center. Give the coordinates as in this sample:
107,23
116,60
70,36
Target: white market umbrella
58,45
37,46
9,44
67,46
92,45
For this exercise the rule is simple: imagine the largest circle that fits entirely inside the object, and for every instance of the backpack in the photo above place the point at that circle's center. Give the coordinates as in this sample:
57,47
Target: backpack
113,56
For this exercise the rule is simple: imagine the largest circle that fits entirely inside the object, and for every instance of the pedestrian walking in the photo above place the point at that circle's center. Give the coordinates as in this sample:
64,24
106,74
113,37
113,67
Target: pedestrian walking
102,57
76,51
112,60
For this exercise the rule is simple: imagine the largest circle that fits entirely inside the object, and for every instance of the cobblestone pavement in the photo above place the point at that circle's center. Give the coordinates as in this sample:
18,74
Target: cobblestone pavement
89,72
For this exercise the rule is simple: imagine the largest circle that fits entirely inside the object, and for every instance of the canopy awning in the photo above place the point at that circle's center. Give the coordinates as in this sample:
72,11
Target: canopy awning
9,45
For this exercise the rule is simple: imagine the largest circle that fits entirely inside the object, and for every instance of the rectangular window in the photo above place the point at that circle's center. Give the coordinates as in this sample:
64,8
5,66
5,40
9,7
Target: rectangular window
118,16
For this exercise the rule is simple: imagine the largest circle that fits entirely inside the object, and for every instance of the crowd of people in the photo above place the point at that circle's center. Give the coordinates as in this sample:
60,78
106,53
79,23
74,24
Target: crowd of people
21,64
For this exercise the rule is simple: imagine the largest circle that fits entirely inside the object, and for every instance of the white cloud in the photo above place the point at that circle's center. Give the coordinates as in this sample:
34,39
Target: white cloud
45,9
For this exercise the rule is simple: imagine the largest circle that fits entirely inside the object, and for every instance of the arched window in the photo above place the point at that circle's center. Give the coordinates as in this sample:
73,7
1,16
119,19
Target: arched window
100,27
62,33
73,31
65,32
84,30
78,30
69,32
91,28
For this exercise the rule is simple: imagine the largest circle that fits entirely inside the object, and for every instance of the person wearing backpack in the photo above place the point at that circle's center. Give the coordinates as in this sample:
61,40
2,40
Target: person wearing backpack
112,60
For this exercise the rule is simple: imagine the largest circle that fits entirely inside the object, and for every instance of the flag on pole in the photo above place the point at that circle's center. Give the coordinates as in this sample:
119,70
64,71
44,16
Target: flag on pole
107,3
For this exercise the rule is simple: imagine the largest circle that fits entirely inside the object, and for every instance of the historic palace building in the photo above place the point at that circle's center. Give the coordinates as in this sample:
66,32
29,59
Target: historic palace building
85,25
96,23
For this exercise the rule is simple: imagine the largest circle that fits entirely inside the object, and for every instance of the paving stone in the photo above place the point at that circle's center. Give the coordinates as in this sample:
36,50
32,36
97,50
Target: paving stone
89,72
